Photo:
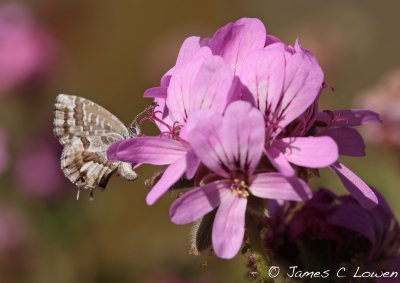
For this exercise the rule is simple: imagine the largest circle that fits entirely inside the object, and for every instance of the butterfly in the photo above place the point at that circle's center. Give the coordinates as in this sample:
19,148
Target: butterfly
86,129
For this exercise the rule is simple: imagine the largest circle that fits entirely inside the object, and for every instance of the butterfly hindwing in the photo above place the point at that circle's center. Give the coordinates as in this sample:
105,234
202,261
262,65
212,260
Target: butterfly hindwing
86,166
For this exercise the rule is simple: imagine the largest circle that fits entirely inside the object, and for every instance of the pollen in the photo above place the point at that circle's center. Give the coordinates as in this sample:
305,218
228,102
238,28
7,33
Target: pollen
239,187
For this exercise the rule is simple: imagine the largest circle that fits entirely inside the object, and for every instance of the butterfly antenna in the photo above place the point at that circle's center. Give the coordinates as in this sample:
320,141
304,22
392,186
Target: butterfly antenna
77,194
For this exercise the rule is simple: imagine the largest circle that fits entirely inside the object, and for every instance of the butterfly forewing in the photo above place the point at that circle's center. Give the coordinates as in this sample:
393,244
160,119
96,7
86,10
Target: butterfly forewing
86,130
77,116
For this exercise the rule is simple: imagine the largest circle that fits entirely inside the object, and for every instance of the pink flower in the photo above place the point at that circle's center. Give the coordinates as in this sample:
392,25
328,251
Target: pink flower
230,148
37,170
26,50
3,150
205,83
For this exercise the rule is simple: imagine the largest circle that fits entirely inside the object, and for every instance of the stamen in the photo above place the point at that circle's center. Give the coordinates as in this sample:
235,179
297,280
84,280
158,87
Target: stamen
271,127
239,187
173,131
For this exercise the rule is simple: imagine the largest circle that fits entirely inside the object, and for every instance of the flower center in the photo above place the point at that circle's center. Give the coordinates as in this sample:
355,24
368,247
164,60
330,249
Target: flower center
239,187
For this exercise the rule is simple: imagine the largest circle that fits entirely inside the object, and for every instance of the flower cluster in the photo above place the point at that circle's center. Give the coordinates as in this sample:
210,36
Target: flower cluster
238,116
31,180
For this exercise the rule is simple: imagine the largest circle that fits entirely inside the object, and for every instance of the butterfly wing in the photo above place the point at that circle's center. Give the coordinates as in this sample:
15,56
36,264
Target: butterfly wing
86,130
86,165
79,117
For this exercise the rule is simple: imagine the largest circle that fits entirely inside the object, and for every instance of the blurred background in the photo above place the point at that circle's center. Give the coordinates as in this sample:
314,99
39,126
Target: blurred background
111,52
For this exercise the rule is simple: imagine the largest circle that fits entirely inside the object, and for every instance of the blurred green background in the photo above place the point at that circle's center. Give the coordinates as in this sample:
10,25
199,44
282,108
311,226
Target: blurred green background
111,52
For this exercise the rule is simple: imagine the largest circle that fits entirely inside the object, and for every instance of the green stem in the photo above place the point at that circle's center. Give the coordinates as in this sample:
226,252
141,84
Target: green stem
258,251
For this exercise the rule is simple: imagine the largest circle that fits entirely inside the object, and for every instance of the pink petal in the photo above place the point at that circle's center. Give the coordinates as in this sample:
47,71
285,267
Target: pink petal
204,83
243,136
169,177
275,186
355,117
149,150
263,75
202,134
357,187
198,202
228,228
312,152
279,161
156,92
303,81
166,78
227,144
301,187
349,141
236,40
188,50
211,85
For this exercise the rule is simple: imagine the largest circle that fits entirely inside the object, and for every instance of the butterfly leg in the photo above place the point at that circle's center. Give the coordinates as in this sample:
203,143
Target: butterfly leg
77,194
91,194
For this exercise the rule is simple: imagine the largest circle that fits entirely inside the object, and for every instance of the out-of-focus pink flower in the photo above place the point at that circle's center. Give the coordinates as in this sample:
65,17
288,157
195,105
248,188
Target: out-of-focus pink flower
232,150
384,97
3,150
26,49
37,170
